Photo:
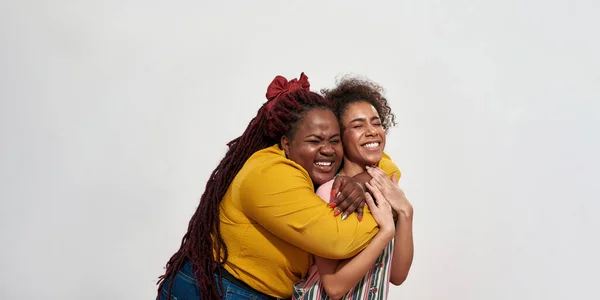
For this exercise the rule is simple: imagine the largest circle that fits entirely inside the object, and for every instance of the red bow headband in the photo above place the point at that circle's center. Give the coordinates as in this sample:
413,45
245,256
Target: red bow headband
281,86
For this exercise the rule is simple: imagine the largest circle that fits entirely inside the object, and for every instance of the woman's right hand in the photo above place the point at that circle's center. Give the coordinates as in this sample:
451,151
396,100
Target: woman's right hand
390,190
381,211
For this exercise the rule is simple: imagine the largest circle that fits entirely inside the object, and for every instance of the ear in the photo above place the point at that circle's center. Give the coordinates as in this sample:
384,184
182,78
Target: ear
286,144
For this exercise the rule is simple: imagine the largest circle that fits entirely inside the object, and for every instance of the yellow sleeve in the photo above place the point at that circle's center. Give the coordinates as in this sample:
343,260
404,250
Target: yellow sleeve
281,198
388,166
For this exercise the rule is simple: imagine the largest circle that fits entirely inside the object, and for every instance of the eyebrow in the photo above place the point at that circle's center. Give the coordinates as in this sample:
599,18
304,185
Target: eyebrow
320,137
364,119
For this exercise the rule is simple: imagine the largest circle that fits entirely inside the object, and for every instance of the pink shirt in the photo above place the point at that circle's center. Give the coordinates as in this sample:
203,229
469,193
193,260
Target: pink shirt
324,191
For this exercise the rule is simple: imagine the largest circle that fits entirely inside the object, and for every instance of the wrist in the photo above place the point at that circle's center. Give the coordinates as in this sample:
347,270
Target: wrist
405,215
387,232
405,210
408,212
361,178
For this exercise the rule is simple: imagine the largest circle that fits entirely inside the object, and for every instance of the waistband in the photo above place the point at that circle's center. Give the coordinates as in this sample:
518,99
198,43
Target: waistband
244,285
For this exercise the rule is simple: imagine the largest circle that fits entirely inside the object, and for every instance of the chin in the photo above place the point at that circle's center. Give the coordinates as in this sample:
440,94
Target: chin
372,160
320,178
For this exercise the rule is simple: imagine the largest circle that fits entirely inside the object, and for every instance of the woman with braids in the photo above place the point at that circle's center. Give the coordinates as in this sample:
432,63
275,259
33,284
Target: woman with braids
365,117
259,217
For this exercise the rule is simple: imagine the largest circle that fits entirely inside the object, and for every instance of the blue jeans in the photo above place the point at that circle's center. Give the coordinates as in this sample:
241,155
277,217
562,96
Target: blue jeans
185,288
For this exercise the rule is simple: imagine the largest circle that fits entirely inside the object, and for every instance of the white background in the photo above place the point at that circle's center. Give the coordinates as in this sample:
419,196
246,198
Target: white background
113,114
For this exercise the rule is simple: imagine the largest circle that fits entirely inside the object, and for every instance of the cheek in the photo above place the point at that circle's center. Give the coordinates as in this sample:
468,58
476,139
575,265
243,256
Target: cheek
298,155
307,155
350,138
382,134
339,150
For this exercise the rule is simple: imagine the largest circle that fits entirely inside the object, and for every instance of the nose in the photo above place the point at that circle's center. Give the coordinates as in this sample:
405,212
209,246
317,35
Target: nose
372,131
327,150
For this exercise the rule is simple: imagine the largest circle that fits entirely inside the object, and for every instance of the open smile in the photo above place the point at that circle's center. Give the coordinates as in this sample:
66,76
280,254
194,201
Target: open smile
372,146
325,166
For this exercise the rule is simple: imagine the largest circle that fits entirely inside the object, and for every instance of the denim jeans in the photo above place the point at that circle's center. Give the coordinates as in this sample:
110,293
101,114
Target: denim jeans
185,288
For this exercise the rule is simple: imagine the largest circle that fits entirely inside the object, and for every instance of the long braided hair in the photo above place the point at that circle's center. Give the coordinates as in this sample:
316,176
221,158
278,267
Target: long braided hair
288,102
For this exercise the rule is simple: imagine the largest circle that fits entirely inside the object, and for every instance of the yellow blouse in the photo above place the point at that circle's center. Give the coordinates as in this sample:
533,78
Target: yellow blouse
272,220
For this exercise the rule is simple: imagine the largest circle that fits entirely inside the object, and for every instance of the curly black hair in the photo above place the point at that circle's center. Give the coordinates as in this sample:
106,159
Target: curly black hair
349,90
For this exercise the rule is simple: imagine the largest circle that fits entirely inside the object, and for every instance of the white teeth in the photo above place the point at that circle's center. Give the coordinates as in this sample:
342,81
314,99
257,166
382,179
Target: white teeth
323,163
371,145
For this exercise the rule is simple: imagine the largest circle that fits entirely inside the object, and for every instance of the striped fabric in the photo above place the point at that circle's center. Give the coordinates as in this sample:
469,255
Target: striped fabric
373,286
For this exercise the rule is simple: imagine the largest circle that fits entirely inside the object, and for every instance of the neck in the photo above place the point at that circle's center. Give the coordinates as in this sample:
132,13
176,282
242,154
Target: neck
352,168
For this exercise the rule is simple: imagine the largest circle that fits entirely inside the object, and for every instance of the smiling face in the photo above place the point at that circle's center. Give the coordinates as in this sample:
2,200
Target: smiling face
363,134
316,145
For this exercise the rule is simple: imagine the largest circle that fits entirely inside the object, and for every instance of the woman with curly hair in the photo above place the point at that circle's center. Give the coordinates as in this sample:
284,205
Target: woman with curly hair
365,117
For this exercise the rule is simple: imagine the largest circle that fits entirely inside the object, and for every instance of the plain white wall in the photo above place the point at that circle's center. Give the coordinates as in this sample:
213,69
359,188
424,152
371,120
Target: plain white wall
114,113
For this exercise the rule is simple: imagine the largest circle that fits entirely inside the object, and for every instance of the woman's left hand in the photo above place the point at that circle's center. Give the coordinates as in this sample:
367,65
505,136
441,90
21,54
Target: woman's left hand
390,190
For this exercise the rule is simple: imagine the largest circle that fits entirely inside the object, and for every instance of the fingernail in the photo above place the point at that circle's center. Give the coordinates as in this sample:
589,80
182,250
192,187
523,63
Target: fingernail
344,216
333,205
360,218
333,191
336,212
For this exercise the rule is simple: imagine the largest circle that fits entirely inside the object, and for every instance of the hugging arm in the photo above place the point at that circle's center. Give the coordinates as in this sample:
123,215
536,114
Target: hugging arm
339,277
281,199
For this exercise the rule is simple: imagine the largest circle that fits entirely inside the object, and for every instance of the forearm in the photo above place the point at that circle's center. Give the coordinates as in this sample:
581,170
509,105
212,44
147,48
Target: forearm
337,282
288,207
403,250
319,232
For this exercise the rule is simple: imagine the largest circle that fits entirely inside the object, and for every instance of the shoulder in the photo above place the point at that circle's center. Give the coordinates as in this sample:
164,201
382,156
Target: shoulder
269,166
324,190
388,166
